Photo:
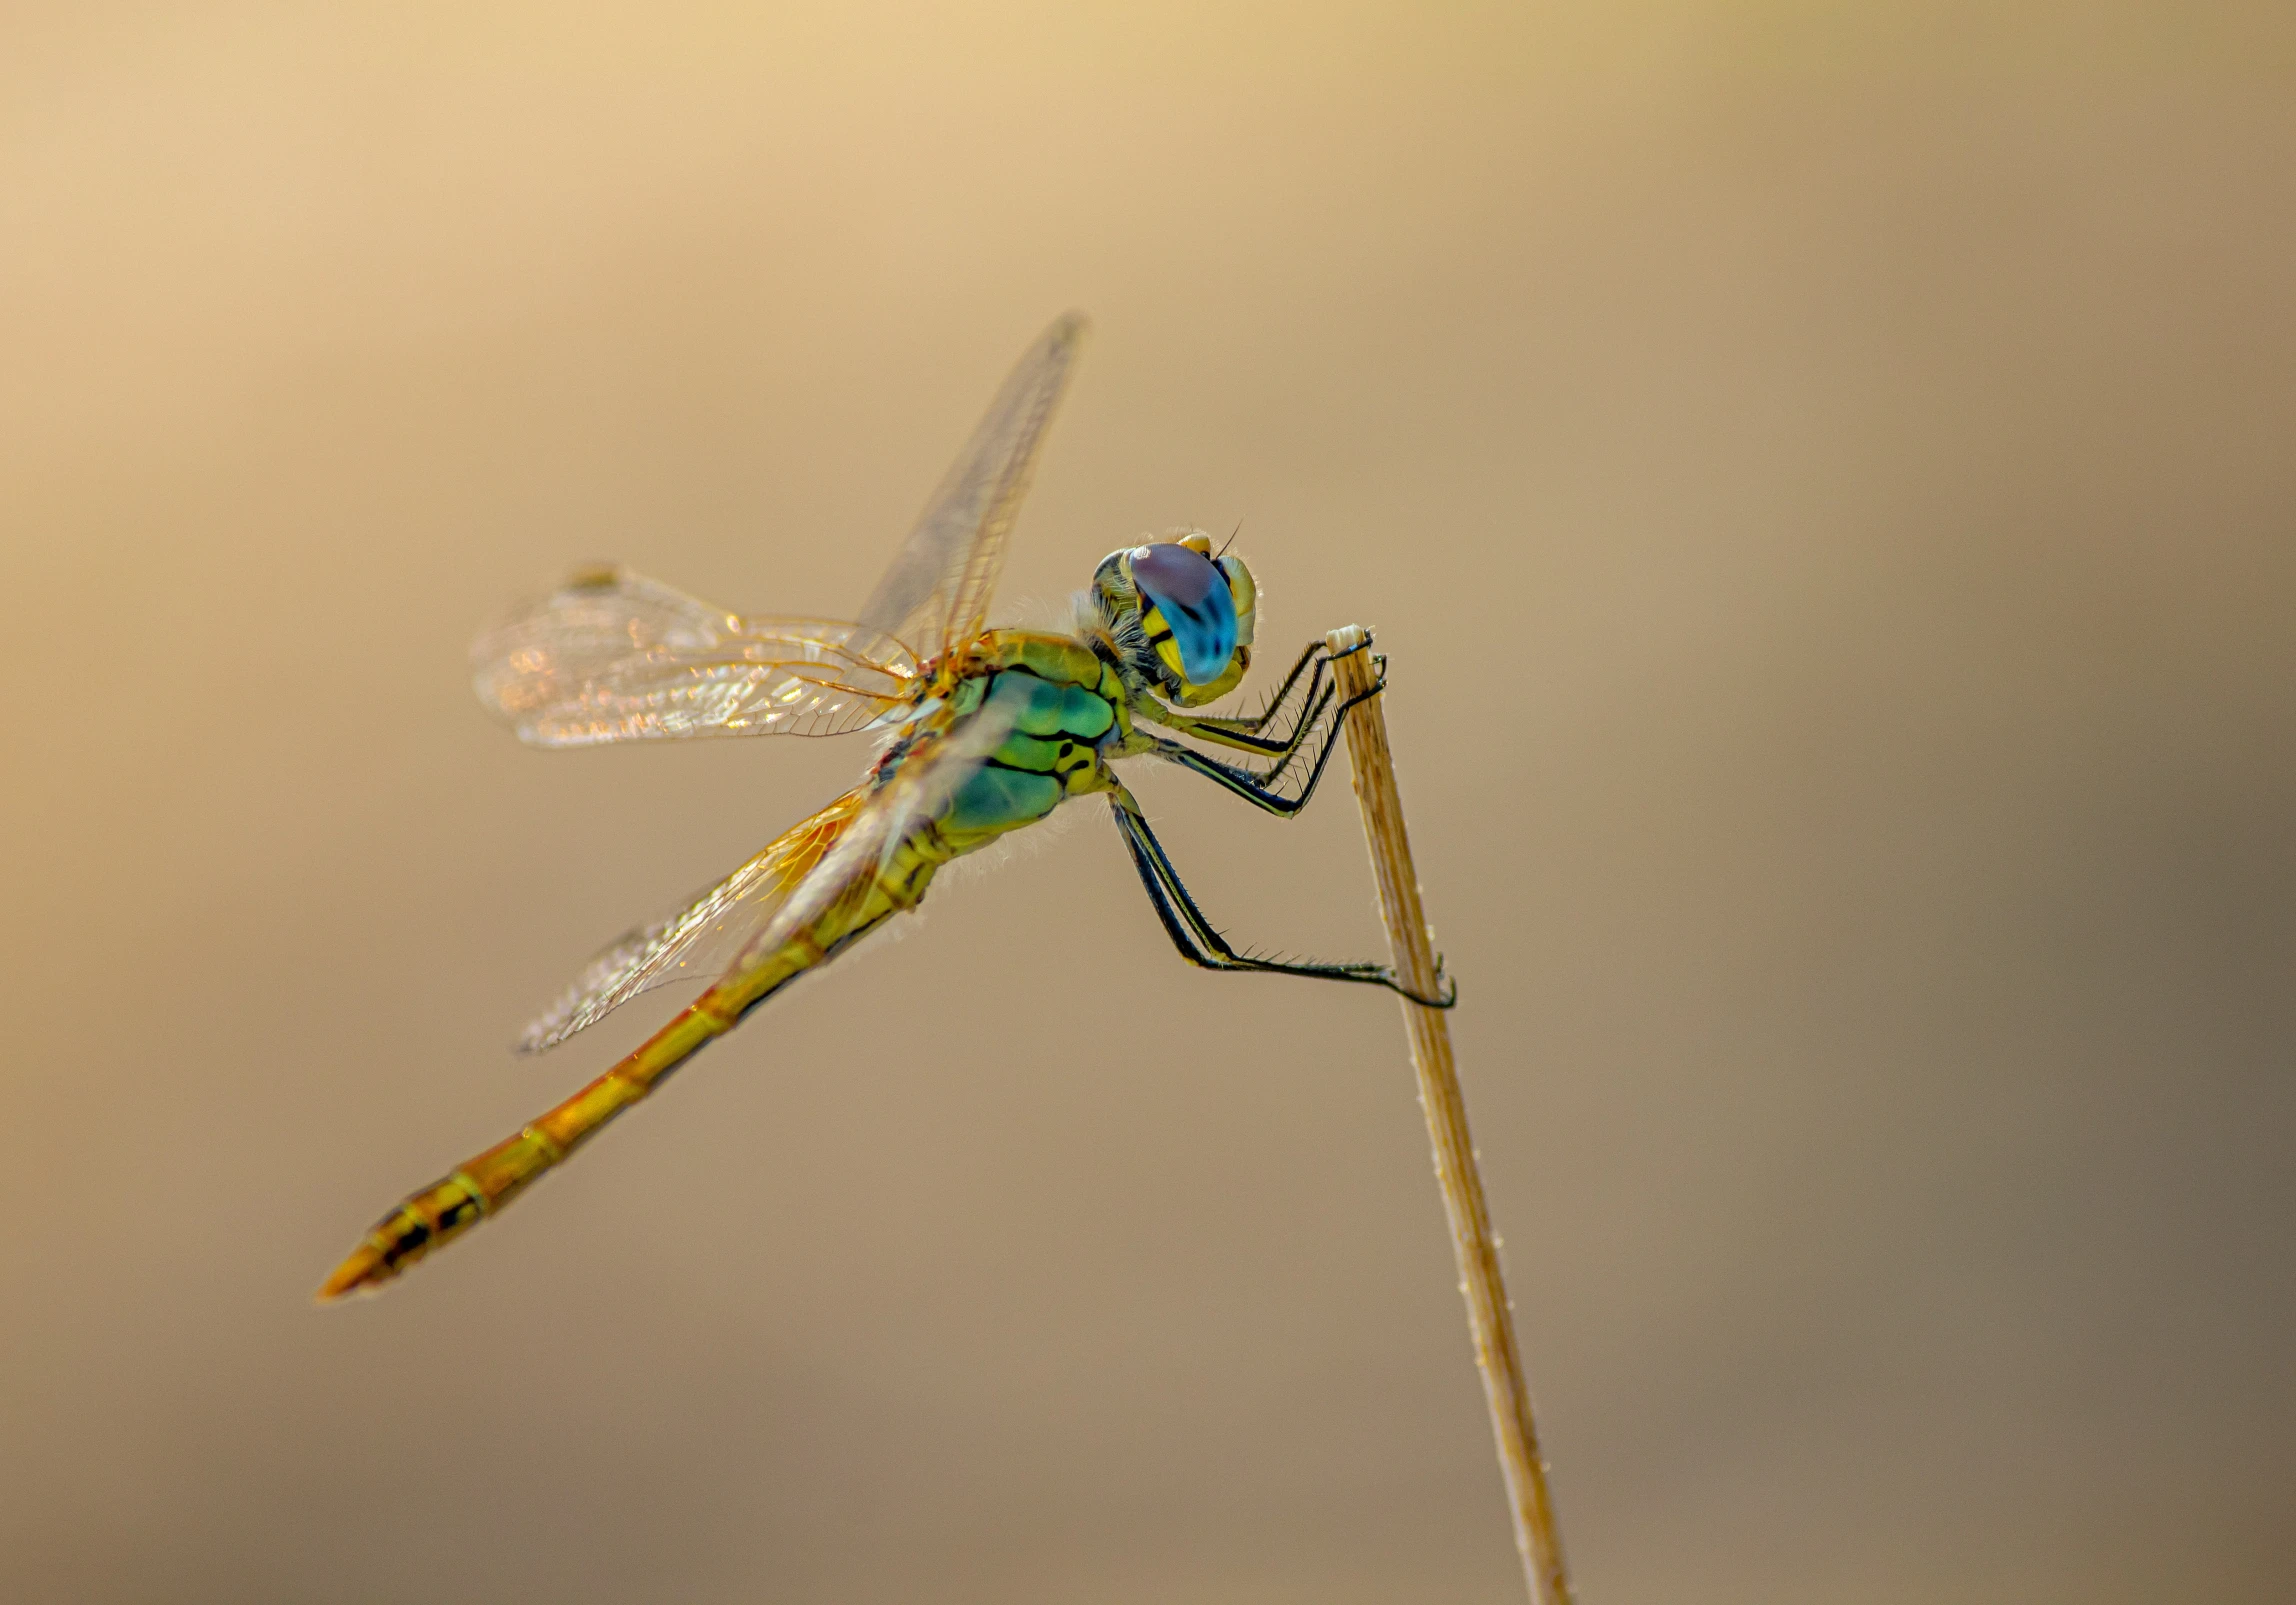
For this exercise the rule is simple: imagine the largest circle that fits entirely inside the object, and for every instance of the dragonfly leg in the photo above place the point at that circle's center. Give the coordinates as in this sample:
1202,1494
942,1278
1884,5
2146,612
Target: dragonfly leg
1313,653
1264,788
1314,656
1201,943
1245,734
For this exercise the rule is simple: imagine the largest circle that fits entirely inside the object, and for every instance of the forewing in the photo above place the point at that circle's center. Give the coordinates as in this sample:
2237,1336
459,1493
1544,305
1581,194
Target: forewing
614,656
701,938
936,594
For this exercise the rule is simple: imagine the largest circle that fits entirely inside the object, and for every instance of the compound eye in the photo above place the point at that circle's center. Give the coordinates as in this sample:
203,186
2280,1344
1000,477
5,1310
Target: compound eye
1193,597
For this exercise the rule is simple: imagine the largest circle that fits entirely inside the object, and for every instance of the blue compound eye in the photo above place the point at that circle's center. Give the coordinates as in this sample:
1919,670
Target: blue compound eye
1192,595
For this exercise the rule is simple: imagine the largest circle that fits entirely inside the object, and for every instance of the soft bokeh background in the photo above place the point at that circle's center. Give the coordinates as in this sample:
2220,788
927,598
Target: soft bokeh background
1823,473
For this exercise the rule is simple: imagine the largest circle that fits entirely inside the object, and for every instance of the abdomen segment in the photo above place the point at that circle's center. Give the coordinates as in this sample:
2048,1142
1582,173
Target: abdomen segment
487,1182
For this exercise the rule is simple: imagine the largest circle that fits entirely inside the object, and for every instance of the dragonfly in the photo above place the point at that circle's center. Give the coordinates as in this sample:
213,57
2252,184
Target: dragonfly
982,732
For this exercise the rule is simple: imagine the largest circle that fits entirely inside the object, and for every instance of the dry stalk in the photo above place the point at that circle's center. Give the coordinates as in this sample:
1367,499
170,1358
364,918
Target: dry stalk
1489,1315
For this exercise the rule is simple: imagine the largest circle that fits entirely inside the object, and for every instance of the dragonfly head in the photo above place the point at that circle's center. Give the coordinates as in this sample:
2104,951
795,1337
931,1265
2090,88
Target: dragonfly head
1179,616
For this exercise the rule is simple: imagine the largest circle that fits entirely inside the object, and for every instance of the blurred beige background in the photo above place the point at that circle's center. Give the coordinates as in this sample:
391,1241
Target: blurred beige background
1823,474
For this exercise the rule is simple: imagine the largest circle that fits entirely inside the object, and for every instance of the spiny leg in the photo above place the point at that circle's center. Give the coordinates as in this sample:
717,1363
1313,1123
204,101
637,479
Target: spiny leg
1264,784
1200,943
1262,788
1313,654
1243,733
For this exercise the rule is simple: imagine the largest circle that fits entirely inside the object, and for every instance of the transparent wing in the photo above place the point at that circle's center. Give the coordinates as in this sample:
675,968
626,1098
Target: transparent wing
936,594
700,939
613,656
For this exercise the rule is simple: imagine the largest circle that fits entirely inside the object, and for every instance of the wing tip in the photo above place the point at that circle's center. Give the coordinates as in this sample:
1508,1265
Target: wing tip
543,1035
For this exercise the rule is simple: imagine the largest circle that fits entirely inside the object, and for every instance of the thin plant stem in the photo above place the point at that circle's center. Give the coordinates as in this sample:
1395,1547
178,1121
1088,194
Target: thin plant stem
1489,1315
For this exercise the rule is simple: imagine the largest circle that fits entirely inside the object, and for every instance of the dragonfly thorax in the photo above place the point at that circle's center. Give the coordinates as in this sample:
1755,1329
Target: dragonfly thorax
1178,618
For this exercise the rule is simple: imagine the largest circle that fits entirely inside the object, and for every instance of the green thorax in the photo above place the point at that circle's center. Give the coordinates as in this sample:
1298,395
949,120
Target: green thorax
1061,707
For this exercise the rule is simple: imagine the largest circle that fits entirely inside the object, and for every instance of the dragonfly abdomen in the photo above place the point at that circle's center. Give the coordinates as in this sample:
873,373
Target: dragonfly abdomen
487,1182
